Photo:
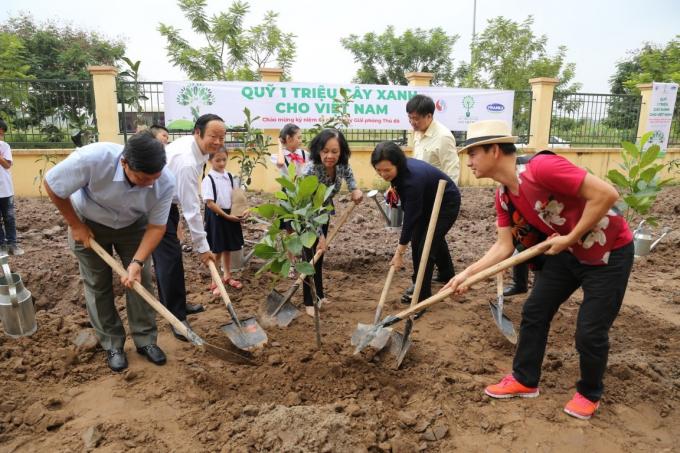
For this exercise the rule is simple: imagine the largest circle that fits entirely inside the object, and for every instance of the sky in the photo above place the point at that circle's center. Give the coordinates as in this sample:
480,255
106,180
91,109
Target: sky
597,33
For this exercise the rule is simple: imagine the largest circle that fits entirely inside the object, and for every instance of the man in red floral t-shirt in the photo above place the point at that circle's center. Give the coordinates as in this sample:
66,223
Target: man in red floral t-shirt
591,248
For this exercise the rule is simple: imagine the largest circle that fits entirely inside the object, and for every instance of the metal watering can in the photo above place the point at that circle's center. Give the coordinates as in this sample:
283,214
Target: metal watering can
239,258
644,241
16,305
394,217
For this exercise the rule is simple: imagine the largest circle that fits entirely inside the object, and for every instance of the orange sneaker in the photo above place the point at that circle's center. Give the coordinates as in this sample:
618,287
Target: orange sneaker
509,387
581,407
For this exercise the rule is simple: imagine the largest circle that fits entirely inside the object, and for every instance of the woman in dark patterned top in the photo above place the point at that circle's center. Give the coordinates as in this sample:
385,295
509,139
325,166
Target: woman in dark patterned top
329,154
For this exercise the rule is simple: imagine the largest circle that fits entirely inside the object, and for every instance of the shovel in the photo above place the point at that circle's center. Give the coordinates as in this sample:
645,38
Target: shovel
502,322
383,335
478,277
402,342
246,334
277,308
235,356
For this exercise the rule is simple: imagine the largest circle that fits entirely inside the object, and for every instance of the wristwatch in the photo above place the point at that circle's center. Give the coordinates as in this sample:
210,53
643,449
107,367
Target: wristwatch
140,262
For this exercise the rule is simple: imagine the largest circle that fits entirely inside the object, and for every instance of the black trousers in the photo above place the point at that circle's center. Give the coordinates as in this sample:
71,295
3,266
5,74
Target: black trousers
307,255
439,250
167,262
603,291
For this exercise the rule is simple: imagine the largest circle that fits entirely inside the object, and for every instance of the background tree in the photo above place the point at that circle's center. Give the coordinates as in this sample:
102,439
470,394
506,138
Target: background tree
13,58
507,54
60,54
651,63
232,52
386,57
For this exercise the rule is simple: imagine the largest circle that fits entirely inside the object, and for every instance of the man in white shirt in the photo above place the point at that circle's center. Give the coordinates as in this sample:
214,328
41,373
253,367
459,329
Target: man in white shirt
433,143
186,158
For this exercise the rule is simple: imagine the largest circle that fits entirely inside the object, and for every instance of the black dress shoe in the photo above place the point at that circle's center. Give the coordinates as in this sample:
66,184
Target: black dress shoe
116,359
513,290
178,335
192,309
408,293
419,314
441,279
153,353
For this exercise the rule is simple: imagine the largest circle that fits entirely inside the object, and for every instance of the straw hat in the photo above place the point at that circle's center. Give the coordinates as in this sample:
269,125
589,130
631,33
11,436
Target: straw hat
487,132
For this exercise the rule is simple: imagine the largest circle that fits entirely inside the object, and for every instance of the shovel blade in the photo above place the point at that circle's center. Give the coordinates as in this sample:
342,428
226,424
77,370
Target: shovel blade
248,337
233,356
277,310
405,344
381,335
503,323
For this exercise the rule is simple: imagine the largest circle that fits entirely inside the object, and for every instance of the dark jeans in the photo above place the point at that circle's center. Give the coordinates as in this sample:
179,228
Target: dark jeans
167,261
8,229
603,290
307,255
439,251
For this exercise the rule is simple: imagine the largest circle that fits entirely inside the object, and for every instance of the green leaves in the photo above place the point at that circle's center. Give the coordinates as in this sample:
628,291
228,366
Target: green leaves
640,182
303,205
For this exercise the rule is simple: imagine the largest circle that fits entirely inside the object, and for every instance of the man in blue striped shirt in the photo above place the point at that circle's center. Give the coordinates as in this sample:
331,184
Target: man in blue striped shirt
120,197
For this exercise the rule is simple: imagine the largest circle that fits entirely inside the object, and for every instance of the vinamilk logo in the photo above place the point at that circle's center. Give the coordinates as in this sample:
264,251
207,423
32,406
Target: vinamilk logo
495,107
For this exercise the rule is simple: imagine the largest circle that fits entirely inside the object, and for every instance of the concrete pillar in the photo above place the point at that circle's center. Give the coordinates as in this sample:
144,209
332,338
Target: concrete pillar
271,74
646,92
106,104
542,89
417,79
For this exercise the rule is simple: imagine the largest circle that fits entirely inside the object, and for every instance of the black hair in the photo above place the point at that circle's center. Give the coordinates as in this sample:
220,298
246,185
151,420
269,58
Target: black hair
319,142
288,130
391,152
506,148
420,104
3,125
144,153
221,150
202,122
156,128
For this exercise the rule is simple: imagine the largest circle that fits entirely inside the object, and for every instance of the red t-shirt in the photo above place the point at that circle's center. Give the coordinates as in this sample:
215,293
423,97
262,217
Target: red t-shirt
548,200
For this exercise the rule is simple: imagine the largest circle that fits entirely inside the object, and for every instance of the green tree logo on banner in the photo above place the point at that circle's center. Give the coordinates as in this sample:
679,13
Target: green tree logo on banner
468,103
195,96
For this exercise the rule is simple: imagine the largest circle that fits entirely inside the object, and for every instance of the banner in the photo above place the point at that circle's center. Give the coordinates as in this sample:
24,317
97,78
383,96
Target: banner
660,113
305,104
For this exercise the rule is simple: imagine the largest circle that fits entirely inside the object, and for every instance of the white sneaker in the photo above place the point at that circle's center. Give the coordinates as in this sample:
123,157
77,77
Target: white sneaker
15,250
324,301
309,311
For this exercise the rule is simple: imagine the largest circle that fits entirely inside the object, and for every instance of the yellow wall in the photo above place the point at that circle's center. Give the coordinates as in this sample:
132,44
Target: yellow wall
598,160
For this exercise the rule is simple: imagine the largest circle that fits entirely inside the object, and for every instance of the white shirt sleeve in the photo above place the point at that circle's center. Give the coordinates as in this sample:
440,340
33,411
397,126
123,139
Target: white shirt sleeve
187,192
207,190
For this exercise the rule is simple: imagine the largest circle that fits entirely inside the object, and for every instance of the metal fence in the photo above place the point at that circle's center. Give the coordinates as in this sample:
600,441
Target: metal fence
47,113
597,120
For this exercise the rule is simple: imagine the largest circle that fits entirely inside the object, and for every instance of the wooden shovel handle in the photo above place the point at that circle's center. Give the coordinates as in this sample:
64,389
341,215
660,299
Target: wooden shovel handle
478,277
341,221
218,282
428,241
383,295
148,297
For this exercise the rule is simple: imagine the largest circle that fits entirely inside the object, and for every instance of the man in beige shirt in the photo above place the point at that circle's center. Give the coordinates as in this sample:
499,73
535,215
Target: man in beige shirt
433,142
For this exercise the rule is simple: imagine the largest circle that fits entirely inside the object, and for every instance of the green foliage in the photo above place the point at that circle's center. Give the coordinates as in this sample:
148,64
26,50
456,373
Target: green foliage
640,182
13,58
507,54
303,203
386,57
132,93
47,160
62,52
340,118
255,150
231,51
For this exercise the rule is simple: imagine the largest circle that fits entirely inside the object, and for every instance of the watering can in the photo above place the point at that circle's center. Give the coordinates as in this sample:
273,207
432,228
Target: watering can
394,216
643,240
16,305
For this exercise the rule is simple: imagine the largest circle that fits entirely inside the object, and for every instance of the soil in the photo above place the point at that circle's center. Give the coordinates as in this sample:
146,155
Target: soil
63,397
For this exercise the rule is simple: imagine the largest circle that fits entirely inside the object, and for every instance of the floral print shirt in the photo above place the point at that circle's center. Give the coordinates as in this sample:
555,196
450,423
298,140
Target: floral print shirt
548,199
341,172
